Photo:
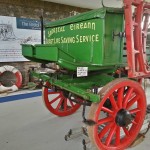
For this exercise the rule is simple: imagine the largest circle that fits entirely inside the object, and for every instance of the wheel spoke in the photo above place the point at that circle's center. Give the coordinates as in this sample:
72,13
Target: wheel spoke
51,92
134,122
113,102
105,120
110,135
126,131
71,103
107,110
65,104
132,101
118,135
127,97
55,99
59,104
105,130
120,97
134,111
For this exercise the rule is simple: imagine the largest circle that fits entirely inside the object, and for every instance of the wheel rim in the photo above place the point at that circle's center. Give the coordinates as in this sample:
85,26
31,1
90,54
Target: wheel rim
57,103
118,125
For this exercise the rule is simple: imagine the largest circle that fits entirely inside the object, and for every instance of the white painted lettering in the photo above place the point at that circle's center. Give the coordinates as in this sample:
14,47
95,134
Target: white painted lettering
77,38
71,27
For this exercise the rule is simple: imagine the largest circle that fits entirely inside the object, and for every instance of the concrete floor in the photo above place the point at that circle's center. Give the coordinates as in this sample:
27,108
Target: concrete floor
28,125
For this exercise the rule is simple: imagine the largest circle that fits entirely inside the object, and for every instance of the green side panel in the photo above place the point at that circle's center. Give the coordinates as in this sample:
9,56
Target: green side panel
46,52
40,52
27,50
82,40
28,53
113,47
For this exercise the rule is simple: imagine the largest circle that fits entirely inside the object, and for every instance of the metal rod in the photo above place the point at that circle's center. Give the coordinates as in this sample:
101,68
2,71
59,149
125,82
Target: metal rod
88,122
42,30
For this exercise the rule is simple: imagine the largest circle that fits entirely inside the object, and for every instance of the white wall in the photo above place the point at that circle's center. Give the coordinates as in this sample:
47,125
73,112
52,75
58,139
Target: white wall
92,4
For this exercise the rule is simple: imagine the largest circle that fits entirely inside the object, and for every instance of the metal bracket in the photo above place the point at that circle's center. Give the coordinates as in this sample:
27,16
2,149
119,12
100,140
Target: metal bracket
120,35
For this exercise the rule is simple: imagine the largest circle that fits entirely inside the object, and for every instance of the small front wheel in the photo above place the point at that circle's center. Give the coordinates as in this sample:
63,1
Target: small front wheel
57,102
119,115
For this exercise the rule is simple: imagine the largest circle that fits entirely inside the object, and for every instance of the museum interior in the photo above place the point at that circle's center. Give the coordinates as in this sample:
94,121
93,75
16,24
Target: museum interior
74,74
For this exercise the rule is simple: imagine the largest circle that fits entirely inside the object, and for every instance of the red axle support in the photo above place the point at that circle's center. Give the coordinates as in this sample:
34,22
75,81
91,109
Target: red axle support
136,28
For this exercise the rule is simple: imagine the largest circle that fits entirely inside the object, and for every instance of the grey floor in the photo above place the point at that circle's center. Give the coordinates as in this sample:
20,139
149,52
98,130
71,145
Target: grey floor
27,125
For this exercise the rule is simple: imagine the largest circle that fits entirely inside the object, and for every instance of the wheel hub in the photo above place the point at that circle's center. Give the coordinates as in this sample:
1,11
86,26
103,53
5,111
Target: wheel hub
123,118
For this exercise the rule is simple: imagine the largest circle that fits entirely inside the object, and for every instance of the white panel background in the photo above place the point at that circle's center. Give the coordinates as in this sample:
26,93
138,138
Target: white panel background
10,48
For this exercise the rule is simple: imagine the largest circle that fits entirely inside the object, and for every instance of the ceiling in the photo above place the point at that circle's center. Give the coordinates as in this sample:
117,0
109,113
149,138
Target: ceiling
91,4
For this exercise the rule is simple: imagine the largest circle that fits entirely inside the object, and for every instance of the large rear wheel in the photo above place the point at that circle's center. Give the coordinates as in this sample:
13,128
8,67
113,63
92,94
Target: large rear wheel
119,115
57,102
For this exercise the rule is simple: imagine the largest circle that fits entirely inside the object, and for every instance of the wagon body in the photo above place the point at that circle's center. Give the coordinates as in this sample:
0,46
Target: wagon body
83,40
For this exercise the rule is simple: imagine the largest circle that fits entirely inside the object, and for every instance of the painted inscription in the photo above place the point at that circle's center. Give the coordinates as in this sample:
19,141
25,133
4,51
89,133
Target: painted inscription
73,39
56,30
86,25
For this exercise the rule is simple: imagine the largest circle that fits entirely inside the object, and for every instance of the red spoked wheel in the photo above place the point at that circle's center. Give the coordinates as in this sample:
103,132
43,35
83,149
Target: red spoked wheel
58,103
119,115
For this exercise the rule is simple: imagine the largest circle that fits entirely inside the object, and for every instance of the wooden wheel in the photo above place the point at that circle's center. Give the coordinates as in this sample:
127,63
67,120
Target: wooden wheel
119,115
57,102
